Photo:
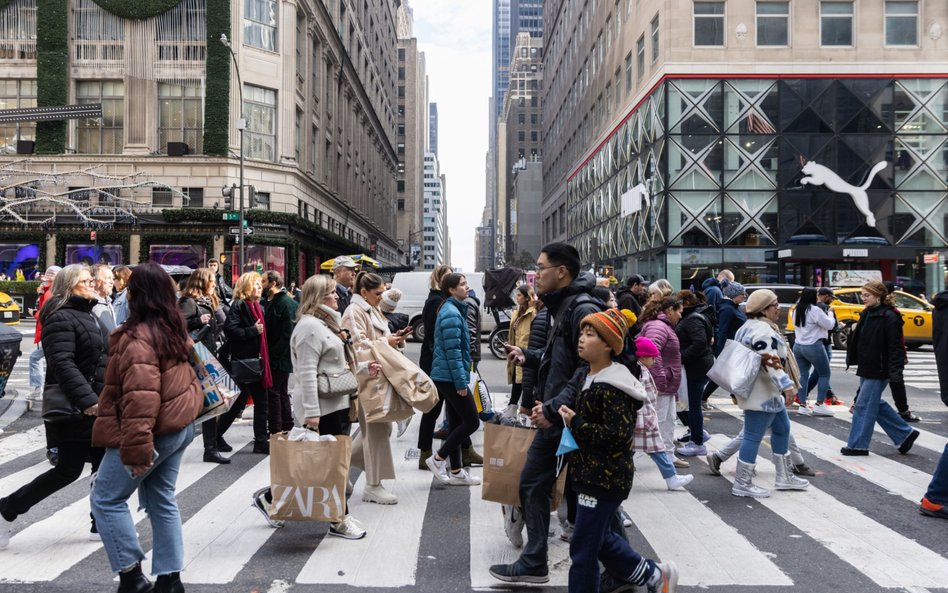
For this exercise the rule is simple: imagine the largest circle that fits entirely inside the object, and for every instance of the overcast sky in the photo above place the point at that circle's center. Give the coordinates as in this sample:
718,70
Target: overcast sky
456,38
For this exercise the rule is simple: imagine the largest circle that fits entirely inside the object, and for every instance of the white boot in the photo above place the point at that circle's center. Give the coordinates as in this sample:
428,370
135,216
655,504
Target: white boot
678,482
744,482
785,479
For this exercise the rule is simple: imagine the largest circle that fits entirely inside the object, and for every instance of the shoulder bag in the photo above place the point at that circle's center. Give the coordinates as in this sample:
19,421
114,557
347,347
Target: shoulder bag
56,405
246,370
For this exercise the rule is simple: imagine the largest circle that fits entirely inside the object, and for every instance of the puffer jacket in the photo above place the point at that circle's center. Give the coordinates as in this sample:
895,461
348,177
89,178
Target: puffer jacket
667,368
474,327
603,428
730,319
875,347
695,335
520,325
429,313
452,345
538,333
143,397
77,350
767,394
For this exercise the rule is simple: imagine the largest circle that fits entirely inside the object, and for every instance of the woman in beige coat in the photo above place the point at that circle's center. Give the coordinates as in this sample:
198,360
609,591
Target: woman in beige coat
372,449
519,335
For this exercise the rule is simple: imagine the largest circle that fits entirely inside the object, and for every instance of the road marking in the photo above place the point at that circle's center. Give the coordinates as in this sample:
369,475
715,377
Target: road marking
21,443
884,556
388,555
24,476
708,550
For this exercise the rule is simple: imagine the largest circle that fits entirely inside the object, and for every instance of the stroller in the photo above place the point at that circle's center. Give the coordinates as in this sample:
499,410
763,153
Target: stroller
498,286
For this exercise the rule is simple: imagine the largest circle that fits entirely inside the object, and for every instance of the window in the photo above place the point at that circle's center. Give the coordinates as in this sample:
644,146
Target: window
401,148
181,115
640,56
533,136
628,72
773,23
400,186
260,111
260,24
195,197
709,23
655,46
313,146
901,23
101,136
521,136
15,94
261,200
836,23
18,31
300,49
298,138
161,197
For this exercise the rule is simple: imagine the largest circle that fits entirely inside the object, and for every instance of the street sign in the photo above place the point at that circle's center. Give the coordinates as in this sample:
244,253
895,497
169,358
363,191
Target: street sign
236,230
931,258
231,216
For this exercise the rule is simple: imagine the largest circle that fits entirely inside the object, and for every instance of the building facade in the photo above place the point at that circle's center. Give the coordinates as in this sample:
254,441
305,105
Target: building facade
411,132
317,83
434,230
433,128
782,140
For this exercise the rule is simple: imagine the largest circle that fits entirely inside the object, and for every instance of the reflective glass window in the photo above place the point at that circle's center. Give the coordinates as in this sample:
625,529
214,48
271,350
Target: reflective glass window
901,23
773,23
836,23
709,23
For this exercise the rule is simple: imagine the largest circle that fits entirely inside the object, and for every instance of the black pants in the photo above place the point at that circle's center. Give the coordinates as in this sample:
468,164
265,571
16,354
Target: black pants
516,392
209,433
708,390
462,421
426,427
259,412
73,455
279,413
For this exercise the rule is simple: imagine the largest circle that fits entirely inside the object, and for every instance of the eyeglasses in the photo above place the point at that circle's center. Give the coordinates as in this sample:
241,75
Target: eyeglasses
773,306
542,268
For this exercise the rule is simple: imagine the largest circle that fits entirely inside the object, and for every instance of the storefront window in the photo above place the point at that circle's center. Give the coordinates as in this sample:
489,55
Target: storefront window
94,254
260,258
21,257
191,256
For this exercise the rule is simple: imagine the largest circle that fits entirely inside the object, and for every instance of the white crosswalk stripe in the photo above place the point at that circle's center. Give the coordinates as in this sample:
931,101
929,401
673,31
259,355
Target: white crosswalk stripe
223,535
921,370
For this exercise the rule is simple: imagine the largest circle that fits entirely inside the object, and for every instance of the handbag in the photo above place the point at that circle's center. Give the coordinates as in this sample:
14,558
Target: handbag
198,334
219,390
56,405
342,383
736,369
246,370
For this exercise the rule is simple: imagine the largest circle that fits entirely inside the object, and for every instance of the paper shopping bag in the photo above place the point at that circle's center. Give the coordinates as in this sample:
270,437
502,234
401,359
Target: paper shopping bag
377,395
308,478
505,454
218,388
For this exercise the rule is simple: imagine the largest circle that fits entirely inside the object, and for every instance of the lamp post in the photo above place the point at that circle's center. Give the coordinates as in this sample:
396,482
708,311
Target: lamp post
241,125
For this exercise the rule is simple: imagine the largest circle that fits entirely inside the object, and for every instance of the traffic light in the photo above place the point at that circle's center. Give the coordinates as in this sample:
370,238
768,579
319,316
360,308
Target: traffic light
229,192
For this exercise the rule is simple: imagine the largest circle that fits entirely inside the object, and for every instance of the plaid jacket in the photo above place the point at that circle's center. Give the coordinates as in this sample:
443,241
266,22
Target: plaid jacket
646,437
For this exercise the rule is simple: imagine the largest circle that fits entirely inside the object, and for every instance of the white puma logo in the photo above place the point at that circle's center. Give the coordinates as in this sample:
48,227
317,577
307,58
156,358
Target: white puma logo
818,174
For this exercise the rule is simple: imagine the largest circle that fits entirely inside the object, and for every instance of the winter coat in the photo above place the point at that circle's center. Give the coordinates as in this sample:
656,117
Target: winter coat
240,329
875,346
106,314
603,428
144,397
365,323
76,347
730,319
940,340
428,315
279,317
474,327
647,437
396,321
538,333
711,288
120,306
192,309
626,299
452,345
667,368
767,394
345,298
315,349
519,336
695,333
224,293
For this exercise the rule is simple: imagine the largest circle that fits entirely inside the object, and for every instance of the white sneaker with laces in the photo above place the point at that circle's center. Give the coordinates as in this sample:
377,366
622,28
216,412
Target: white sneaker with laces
347,529
462,478
513,524
804,411
402,426
259,502
6,532
439,468
822,410
678,482
378,494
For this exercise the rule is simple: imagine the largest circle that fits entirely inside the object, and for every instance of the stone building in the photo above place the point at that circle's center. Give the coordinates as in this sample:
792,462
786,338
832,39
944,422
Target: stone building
411,140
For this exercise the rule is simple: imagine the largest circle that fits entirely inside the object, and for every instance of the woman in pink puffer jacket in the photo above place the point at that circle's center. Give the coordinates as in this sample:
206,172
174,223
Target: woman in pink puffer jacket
658,325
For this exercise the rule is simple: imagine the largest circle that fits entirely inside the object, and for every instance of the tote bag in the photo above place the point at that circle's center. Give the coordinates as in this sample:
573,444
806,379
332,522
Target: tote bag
736,369
308,478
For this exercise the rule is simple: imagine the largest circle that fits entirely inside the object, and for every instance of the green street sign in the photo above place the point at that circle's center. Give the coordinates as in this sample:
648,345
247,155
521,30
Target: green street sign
231,216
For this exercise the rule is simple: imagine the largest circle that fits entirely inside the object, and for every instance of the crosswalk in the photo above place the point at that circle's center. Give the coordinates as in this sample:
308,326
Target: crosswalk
921,370
857,521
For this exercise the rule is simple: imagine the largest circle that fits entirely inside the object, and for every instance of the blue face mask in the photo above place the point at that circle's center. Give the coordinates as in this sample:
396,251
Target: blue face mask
567,442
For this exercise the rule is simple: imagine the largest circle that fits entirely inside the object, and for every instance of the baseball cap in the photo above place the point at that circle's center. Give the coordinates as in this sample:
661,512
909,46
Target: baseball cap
826,291
343,261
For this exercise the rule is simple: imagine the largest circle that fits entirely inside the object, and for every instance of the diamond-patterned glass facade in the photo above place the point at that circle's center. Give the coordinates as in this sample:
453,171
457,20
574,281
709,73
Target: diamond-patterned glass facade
722,163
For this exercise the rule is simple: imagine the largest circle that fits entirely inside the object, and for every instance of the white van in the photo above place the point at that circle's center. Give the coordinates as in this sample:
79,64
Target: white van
415,288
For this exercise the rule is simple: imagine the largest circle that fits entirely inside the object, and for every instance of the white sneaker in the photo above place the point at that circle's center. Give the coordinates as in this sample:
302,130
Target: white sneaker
401,426
462,478
678,482
822,410
347,528
6,532
378,494
804,411
438,468
513,524
567,533
626,519
259,501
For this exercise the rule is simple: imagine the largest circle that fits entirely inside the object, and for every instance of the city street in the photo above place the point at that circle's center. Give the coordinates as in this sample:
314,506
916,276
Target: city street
855,529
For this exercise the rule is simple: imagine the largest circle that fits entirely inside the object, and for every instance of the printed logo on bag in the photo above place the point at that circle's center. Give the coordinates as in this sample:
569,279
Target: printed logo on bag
306,498
496,461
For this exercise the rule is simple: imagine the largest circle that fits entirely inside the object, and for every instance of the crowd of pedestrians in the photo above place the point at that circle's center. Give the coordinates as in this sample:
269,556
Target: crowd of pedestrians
615,372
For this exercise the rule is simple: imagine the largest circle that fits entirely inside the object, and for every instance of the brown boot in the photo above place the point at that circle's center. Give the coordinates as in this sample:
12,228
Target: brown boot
422,457
471,458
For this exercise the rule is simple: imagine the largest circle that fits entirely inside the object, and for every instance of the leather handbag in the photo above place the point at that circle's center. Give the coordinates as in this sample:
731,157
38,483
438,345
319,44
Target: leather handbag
246,370
56,405
339,384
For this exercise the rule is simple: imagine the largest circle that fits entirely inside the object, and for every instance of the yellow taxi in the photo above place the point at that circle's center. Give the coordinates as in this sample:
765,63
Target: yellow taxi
916,314
9,310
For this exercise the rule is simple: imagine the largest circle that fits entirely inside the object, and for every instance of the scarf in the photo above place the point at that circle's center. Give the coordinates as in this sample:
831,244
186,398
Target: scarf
331,319
790,364
257,312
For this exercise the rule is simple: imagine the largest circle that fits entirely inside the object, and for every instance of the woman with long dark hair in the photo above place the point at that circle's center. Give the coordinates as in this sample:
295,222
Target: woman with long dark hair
145,421
519,335
429,313
247,338
76,347
695,335
810,324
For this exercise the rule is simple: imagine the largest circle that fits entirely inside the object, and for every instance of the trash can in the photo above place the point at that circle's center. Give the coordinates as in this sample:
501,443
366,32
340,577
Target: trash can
9,351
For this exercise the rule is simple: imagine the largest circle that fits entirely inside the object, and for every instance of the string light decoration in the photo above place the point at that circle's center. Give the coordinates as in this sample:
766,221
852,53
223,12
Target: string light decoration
84,196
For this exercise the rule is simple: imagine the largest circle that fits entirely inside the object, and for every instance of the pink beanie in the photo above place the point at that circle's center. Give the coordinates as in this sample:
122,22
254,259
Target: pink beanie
645,347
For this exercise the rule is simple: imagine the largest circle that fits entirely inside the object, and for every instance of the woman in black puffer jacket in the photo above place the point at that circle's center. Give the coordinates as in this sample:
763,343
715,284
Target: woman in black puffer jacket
76,349
696,336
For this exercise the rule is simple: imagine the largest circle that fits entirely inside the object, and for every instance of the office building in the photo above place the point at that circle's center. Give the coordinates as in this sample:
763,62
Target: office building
434,235
411,132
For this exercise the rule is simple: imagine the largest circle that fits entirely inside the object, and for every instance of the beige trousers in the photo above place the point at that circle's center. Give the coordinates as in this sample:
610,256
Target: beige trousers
372,450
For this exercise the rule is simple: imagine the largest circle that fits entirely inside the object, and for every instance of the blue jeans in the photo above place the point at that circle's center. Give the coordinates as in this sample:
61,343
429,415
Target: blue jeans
37,364
814,377
113,486
938,489
594,540
813,357
695,415
756,424
870,408
665,466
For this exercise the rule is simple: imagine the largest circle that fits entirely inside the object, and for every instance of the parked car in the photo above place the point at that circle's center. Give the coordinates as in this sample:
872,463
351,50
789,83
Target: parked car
787,296
414,287
9,310
916,315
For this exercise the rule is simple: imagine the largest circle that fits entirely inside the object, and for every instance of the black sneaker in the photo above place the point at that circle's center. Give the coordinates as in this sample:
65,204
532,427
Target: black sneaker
853,452
514,573
94,531
52,455
908,416
906,445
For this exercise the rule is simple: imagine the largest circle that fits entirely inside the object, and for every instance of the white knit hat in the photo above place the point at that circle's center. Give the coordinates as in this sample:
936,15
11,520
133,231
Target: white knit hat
390,300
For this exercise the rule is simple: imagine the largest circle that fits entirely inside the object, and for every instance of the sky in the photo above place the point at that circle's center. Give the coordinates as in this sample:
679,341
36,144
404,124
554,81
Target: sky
456,38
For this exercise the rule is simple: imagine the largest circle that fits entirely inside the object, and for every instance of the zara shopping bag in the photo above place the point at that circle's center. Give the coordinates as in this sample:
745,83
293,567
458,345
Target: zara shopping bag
505,454
218,388
308,478
735,370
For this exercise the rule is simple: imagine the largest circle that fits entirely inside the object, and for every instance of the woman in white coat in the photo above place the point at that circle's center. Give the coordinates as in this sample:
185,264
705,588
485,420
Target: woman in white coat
372,448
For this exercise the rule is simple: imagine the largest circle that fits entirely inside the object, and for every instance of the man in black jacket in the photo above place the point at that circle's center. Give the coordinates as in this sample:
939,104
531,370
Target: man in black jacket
344,272
935,501
279,316
632,295
567,295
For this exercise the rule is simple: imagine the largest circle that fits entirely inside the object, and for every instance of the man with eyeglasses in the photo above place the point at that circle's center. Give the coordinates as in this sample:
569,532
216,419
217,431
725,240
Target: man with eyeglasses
567,294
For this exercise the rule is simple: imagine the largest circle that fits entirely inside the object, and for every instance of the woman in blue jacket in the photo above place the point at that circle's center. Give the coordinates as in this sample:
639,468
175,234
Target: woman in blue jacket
451,373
